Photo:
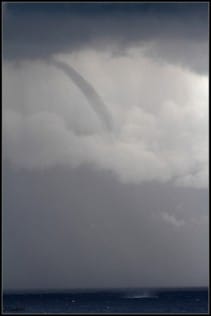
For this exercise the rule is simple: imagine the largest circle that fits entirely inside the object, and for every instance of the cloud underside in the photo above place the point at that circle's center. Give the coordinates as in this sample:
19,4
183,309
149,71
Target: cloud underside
175,33
159,115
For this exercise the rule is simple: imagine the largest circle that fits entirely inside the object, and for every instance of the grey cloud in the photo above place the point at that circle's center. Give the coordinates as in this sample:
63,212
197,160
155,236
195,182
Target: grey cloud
78,228
51,123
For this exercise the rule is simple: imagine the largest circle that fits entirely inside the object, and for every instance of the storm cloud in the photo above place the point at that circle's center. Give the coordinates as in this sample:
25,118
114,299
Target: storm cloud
172,32
48,121
105,145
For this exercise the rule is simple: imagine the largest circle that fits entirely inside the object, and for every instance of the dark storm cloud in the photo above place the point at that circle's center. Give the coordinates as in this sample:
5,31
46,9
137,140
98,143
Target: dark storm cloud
179,30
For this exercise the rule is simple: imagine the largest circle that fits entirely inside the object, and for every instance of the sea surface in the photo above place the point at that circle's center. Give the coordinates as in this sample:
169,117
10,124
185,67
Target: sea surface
186,300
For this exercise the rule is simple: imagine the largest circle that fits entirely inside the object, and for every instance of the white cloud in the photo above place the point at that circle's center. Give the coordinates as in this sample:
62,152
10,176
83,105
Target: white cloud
171,219
160,113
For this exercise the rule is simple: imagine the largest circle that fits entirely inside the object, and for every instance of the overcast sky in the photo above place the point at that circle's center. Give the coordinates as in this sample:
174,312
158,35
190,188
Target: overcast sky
105,145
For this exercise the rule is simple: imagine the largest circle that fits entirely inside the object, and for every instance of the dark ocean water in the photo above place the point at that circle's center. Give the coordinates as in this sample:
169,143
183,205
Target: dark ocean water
192,300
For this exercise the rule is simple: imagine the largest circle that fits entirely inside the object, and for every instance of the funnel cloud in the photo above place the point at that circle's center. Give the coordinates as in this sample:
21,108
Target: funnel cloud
89,92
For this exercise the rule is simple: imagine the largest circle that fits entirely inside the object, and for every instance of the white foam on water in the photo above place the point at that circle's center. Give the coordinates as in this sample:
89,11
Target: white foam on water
141,295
